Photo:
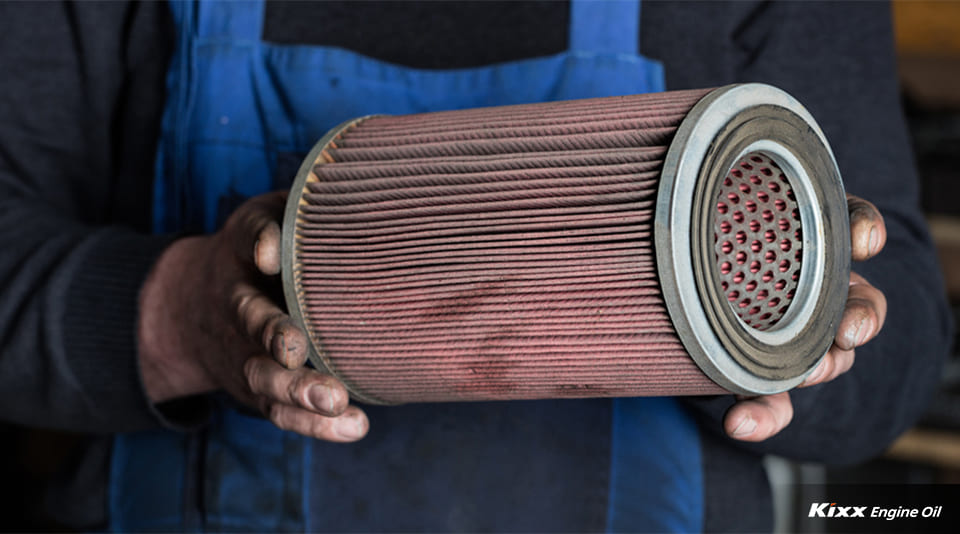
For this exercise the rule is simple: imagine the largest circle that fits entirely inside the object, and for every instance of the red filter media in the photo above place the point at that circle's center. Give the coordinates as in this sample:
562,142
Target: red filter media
551,250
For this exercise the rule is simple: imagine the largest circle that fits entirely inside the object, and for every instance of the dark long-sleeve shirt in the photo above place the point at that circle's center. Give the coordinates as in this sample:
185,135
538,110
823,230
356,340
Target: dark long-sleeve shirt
80,100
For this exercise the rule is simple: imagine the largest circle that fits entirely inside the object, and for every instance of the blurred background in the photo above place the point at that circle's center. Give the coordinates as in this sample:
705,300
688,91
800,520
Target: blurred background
928,46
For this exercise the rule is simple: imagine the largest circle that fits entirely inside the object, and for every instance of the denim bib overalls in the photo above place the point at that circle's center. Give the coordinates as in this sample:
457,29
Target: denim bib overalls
240,113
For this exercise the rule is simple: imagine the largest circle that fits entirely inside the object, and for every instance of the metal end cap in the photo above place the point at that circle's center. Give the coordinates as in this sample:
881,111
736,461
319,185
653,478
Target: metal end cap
720,328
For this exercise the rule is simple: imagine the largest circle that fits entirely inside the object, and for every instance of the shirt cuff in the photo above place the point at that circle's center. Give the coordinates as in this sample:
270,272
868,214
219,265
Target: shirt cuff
100,335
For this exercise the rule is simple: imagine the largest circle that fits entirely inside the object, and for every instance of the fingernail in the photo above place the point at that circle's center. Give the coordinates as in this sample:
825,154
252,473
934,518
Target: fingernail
321,398
853,336
874,240
745,428
815,375
281,349
350,427
863,331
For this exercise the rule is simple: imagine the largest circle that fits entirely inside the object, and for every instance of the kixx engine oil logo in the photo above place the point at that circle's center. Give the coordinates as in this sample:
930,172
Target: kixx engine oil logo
830,509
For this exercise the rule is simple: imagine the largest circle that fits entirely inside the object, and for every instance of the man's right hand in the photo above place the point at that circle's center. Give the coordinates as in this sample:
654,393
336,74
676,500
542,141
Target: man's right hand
206,324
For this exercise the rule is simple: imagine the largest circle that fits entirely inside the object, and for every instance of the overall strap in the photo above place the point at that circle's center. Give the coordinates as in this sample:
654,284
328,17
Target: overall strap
607,26
234,20
656,467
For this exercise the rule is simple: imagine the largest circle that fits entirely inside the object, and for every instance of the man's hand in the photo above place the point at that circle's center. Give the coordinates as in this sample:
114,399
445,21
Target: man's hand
207,322
756,419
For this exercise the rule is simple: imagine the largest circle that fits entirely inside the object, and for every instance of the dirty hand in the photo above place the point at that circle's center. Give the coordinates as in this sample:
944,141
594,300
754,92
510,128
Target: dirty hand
759,418
207,323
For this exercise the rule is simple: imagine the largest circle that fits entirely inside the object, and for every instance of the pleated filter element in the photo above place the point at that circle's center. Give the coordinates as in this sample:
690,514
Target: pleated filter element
678,243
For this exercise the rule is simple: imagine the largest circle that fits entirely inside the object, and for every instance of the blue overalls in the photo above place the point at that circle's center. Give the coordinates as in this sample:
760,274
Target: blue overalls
240,114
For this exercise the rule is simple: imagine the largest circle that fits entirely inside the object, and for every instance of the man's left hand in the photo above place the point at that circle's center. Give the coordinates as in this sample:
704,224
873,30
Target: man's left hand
759,418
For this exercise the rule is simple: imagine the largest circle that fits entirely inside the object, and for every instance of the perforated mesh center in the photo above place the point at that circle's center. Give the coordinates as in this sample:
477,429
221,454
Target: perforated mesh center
757,241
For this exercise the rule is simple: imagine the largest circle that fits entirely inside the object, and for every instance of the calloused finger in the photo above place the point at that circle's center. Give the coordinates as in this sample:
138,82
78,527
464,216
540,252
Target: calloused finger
305,388
351,425
842,362
266,251
836,362
824,368
758,418
287,342
264,322
256,222
868,233
864,315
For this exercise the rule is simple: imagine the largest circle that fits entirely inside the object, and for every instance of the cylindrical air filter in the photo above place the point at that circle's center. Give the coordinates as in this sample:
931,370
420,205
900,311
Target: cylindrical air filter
678,243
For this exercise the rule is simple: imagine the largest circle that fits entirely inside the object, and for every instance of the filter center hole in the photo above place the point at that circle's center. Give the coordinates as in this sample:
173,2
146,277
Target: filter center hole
758,240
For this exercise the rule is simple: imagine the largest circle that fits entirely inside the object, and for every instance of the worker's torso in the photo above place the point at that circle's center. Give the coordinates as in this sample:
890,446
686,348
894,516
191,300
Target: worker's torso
242,110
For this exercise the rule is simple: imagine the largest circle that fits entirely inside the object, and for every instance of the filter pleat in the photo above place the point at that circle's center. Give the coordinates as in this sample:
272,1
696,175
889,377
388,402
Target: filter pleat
354,188
353,249
610,108
378,222
579,127
340,234
501,190
422,168
482,147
